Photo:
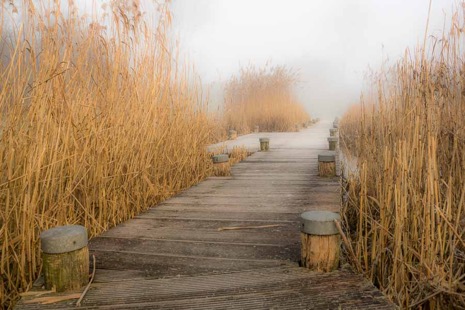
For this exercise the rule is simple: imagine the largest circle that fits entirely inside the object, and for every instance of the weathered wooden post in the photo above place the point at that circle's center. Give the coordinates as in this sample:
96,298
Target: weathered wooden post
257,129
333,143
327,164
320,241
65,257
232,135
264,144
221,166
333,132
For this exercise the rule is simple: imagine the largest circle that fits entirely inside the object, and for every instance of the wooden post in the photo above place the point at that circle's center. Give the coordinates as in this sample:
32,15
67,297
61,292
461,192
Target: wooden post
320,241
257,129
232,135
264,144
65,257
333,132
333,143
327,164
221,165
336,123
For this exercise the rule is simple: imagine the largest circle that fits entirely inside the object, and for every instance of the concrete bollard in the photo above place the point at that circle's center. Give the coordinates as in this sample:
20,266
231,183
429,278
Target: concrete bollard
333,143
65,257
257,129
221,166
327,164
320,241
232,135
333,132
264,144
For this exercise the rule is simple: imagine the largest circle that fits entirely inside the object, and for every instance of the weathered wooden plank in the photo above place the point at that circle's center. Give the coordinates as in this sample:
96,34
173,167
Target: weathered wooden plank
234,191
212,224
283,207
199,248
264,189
207,235
291,198
256,177
219,215
166,265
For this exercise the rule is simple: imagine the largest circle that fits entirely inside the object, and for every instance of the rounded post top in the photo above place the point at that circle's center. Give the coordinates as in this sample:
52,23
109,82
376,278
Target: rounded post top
63,239
264,139
329,156
319,223
220,158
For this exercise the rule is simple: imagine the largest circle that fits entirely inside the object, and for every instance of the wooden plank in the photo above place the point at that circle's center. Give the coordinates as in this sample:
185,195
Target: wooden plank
252,251
207,235
218,215
167,266
321,198
212,224
252,207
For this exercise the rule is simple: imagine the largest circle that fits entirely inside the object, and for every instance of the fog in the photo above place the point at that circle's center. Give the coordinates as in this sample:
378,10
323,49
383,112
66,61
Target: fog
332,44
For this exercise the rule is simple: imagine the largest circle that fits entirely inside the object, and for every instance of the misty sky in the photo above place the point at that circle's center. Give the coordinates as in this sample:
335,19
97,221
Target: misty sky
331,42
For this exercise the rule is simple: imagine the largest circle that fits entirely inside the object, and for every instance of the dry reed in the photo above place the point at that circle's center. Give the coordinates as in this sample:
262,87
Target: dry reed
97,124
238,154
406,197
326,169
221,169
263,97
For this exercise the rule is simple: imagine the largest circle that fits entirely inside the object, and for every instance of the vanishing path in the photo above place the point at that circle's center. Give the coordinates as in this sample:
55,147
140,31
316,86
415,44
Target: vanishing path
174,256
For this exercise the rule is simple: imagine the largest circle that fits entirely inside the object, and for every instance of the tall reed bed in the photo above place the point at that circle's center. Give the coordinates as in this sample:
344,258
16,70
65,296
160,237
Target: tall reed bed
406,199
97,124
263,97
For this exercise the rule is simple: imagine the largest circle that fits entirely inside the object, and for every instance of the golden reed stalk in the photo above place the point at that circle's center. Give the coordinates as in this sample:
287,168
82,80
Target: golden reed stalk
96,125
406,199
263,97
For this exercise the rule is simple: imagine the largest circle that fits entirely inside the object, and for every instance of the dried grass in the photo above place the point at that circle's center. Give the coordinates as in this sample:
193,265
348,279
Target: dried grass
238,154
263,97
97,124
221,169
326,169
406,199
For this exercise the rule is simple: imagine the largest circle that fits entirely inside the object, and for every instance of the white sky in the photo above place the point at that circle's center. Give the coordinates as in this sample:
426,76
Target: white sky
331,42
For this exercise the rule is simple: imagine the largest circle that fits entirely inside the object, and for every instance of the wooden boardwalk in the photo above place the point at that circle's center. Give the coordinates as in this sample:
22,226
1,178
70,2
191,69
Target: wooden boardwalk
175,256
